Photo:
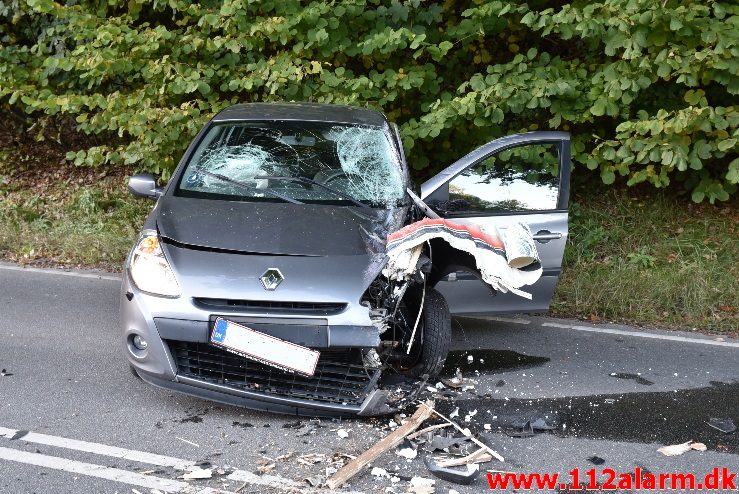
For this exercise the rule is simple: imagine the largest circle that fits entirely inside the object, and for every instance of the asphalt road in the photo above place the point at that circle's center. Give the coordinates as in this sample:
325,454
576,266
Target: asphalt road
73,419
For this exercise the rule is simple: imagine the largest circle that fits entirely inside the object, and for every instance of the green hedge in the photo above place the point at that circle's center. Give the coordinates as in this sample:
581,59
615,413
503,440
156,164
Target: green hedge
646,87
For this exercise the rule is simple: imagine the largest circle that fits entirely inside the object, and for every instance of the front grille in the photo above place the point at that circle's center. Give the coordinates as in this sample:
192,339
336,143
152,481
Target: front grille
306,308
340,377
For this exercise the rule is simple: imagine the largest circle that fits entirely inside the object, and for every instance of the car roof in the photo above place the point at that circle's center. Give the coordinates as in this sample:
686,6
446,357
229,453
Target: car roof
306,112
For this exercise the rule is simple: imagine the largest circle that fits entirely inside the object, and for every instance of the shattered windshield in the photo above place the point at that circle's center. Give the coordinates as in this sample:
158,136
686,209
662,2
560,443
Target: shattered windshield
355,161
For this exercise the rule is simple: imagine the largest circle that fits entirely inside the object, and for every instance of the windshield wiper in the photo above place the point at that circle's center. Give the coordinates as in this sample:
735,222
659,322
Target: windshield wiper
307,180
250,187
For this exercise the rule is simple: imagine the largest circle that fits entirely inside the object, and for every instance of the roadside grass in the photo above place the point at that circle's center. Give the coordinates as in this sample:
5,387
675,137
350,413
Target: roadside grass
648,259
83,219
651,259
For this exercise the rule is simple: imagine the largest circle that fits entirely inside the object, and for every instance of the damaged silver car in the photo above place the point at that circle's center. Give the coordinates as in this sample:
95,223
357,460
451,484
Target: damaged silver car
290,265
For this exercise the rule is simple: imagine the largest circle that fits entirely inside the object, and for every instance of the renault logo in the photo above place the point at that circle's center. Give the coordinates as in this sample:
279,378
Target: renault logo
271,278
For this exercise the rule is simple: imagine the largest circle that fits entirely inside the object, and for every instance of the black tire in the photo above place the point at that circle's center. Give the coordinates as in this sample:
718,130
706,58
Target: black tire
436,326
133,371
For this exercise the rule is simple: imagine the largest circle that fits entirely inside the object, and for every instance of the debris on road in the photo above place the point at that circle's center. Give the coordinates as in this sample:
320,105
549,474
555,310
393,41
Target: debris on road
526,430
428,429
467,433
311,459
314,481
596,460
5,373
635,377
479,456
422,485
529,427
678,449
197,473
408,452
188,442
379,472
265,465
423,412
443,443
464,477
342,433
541,424
726,426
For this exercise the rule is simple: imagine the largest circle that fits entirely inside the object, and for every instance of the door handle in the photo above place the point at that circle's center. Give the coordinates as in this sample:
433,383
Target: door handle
544,236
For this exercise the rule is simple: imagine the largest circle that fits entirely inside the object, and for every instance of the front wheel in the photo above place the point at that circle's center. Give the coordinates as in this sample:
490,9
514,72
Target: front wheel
133,371
435,338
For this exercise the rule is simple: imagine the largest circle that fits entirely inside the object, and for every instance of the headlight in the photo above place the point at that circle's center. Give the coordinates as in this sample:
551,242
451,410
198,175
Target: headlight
149,268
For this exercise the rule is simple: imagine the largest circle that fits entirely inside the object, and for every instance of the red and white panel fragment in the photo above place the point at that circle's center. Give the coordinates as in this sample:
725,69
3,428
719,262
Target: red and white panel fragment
506,260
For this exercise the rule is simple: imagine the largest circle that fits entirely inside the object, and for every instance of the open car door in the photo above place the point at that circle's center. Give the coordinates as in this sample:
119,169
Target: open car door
519,178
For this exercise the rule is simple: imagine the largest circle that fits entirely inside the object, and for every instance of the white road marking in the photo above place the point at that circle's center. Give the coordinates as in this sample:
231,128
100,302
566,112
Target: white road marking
92,470
76,274
133,478
639,334
509,319
100,449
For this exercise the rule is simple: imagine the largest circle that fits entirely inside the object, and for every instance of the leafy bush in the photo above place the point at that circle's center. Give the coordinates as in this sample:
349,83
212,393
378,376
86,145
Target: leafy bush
646,88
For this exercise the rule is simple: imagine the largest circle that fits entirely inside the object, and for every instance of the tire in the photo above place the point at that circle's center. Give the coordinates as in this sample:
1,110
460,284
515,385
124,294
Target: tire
133,371
436,338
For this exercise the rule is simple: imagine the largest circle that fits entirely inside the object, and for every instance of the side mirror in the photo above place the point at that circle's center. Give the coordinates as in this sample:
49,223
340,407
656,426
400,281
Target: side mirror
144,185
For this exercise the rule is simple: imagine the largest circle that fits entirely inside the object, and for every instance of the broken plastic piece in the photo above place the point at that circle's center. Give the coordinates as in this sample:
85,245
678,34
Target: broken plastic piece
678,449
314,481
726,426
198,473
463,477
541,425
596,460
407,453
379,472
442,443
526,430
421,485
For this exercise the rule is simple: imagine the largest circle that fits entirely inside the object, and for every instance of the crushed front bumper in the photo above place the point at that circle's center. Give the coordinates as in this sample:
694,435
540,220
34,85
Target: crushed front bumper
179,357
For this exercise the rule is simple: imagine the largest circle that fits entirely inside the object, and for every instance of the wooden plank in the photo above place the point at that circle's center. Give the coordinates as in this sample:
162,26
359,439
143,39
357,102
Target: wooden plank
352,468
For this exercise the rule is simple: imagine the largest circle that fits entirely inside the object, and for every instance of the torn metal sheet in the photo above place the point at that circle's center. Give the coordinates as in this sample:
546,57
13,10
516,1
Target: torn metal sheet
506,261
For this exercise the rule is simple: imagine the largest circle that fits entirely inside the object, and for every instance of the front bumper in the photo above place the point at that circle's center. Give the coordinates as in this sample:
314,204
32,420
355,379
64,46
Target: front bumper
179,357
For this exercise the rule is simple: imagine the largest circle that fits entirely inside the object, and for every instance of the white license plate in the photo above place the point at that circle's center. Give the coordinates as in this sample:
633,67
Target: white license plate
263,348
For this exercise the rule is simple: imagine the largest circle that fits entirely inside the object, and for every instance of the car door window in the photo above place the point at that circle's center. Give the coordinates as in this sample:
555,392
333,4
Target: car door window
520,179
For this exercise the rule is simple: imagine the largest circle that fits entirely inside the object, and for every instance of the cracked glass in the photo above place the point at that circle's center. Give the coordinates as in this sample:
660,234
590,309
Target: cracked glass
358,161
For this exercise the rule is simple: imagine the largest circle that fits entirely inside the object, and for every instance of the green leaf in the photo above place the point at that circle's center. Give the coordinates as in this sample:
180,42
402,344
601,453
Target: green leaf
732,176
599,108
726,144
